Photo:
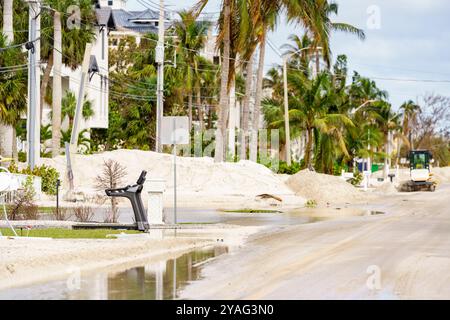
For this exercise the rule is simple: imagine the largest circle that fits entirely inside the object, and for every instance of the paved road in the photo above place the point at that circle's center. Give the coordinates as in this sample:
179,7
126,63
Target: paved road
404,254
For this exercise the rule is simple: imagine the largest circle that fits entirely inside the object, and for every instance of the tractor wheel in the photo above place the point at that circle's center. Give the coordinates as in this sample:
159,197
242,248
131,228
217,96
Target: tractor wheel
432,188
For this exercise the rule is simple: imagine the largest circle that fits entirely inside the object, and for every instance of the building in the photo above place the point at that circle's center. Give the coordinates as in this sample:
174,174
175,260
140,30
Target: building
97,89
114,22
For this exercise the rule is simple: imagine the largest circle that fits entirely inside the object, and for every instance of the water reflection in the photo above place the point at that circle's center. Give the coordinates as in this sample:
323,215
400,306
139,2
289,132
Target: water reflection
155,281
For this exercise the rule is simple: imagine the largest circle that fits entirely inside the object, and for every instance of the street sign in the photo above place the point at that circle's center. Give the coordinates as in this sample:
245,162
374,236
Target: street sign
175,130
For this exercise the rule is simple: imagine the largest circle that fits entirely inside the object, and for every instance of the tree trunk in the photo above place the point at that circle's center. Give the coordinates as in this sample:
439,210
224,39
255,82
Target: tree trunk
387,157
57,86
246,108
210,117
190,109
258,98
8,26
15,153
46,80
308,149
219,155
6,131
200,109
232,119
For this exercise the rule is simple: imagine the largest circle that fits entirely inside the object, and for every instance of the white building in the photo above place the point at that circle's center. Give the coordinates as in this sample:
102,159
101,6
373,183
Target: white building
97,88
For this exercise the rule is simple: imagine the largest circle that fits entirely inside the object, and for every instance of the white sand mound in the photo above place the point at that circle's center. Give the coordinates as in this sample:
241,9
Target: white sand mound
442,175
323,188
197,178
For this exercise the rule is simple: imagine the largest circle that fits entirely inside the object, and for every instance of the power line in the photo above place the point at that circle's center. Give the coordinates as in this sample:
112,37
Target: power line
410,80
13,46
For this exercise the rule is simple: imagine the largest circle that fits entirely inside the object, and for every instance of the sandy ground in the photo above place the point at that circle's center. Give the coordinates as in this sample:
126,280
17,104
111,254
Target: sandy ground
200,181
407,250
29,261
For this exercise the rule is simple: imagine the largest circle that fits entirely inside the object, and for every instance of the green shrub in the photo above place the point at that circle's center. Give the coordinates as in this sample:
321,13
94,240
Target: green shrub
48,175
283,167
311,204
357,178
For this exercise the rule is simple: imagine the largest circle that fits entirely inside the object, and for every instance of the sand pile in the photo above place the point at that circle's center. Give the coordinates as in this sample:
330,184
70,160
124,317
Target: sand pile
323,188
442,175
197,178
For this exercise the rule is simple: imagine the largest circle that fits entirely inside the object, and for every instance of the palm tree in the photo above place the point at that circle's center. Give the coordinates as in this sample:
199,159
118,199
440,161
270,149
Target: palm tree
13,93
387,121
191,36
321,26
409,111
225,44
302,46
69,104
5,128
265,17
74,40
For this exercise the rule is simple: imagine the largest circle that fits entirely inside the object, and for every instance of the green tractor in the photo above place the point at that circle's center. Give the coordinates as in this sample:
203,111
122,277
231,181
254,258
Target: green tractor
420,171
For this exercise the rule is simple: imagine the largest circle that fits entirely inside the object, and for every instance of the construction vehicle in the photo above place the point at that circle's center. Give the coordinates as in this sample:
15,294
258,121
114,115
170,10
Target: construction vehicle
420,171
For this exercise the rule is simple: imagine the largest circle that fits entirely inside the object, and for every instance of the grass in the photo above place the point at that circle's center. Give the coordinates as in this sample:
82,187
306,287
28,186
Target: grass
194,223
59,233
41,210
252,211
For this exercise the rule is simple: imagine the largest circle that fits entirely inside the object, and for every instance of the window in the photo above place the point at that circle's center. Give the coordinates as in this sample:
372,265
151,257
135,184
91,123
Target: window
110,3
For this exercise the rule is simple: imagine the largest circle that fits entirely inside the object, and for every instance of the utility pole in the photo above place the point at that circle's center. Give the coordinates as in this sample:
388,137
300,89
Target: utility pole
57,86
34,81
160,80
80,99
286,113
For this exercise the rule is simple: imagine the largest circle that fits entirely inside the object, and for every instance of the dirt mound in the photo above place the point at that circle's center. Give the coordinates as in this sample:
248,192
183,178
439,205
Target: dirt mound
441,175
323,188
196,177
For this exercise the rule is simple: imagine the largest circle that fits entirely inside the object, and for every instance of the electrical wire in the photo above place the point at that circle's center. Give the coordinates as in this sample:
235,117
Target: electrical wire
13,46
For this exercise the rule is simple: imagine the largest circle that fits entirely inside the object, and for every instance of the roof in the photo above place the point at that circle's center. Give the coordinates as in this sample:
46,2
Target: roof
144,15
126,20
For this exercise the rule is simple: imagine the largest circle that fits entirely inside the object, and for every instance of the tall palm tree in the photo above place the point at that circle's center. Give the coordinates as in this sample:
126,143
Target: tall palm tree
225,44
13,93
409,111
265,14
191,36
57,84
300,52
321,26
69,104
6,130
387,121
316,103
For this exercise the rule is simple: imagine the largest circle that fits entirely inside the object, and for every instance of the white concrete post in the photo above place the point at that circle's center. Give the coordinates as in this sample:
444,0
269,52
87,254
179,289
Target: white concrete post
155,189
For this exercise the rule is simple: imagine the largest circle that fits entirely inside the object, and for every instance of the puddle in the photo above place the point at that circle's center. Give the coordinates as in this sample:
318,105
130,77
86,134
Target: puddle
156,281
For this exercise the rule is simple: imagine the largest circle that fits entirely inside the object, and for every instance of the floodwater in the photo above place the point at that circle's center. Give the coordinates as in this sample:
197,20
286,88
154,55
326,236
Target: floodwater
212,216
154,281
164,279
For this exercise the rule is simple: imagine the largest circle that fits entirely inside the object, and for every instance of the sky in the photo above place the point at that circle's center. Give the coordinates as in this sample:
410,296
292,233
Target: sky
405,39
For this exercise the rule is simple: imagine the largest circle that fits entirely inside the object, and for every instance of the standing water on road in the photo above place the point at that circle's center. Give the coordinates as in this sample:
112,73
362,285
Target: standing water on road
155,281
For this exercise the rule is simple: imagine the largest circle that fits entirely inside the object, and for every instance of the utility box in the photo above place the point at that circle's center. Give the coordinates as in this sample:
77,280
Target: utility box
155,189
